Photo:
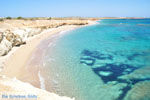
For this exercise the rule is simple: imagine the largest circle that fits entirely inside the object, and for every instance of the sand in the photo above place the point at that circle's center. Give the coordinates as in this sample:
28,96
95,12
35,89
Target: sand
15,61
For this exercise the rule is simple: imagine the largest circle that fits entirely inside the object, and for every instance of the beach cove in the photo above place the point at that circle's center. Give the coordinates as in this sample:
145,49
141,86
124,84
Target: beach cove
106,59
13,64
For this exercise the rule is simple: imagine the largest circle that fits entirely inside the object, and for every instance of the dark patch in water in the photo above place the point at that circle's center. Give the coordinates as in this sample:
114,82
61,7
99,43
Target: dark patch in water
131,57
96,55
128,38
112,72
129,85
124,92
116,70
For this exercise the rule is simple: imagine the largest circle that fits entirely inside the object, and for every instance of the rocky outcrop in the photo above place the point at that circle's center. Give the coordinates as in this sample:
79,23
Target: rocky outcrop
16,32
5,46
15,39
8,40
1,36
33,31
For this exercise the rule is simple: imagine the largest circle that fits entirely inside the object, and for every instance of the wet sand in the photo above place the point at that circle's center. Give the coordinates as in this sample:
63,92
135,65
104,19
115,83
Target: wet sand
16,61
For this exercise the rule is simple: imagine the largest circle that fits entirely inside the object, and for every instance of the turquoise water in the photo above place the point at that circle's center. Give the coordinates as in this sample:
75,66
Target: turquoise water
106,61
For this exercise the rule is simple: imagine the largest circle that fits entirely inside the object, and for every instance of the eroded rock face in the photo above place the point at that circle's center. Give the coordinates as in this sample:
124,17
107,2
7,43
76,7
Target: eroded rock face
15,39
34,31
1,36
16,32
5,46
9,36
18,41
8,40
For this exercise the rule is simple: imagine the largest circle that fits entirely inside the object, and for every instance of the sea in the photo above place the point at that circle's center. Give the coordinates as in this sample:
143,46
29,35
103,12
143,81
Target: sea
106,61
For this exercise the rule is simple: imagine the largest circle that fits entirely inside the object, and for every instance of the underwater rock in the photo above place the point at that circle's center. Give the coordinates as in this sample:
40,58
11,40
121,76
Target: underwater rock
140,91
96,55
116,71
111,91
141,73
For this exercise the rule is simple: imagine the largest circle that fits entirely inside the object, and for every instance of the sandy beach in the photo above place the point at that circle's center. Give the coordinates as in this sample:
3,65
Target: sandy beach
14,62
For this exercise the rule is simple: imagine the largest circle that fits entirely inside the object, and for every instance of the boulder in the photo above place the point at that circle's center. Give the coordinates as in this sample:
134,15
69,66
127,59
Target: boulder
21,34
15,39
5,46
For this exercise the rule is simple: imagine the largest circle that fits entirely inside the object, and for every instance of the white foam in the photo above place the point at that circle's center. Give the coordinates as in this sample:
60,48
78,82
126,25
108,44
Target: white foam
50,44
55,82
42,81
62,32
44,64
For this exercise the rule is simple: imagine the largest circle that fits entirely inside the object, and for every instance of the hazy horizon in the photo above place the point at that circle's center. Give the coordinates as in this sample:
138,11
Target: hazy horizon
67,8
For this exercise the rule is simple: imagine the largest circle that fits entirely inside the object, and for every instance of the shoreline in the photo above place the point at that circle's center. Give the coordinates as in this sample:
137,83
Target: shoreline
22,54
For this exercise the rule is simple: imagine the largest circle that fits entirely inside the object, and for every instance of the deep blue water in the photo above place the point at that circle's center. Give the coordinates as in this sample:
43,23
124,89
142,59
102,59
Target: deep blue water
107,61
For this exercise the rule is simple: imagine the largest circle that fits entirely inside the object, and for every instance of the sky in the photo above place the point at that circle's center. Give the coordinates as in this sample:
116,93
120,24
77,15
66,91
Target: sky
70,8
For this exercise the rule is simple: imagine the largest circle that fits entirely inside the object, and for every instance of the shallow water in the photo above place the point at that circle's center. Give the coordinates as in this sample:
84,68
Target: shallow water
107,61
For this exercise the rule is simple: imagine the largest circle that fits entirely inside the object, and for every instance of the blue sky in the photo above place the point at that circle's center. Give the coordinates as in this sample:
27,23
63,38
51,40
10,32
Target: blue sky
83,8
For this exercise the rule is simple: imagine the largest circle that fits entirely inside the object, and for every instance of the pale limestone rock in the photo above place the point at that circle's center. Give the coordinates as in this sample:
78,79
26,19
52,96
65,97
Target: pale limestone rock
34,31
21,34
1,36
15,39
5,46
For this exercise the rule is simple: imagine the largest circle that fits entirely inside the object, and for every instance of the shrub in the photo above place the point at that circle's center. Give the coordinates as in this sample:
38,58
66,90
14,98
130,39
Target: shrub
8,17
19,17
1,19
49,18
31,19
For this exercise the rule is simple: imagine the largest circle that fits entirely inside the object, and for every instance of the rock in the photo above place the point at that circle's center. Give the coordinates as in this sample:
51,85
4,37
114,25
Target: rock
1,36
5,46
16,32
18,41
10,36
21,35
15,39
34,31
1,65
140,91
